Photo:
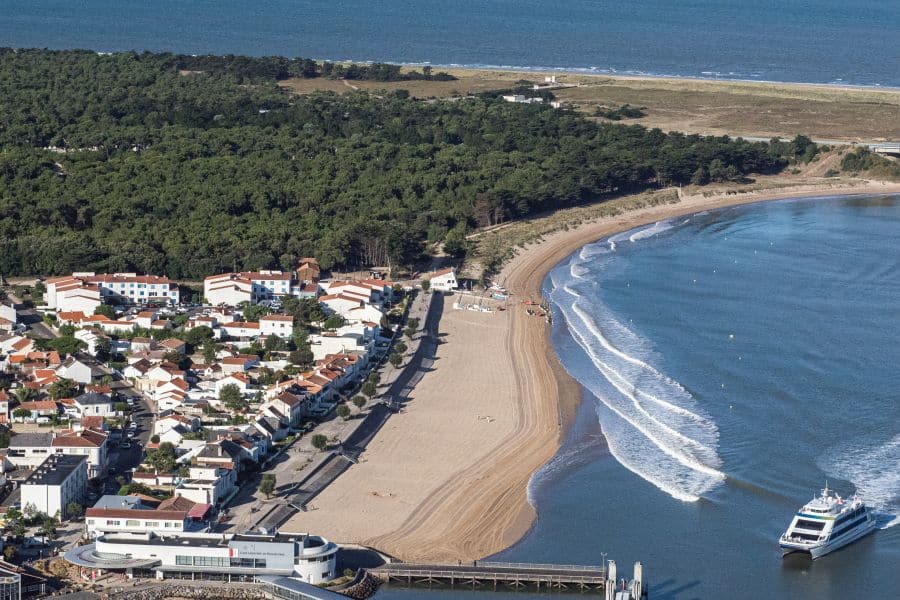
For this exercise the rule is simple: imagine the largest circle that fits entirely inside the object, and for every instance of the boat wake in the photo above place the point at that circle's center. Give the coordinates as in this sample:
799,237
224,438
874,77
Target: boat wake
873,471
653,426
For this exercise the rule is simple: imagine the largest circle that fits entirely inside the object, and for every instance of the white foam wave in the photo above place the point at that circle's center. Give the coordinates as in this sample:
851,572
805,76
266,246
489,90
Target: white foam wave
568,457
651,231
653,426
874,471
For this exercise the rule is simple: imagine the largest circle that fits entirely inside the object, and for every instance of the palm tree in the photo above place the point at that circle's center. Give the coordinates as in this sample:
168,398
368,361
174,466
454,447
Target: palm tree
24,394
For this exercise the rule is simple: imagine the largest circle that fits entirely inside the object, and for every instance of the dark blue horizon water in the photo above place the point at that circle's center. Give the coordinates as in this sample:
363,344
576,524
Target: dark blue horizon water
775,326
815,41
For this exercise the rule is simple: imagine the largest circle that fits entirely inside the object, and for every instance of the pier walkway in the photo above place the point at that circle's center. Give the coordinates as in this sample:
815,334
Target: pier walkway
495,574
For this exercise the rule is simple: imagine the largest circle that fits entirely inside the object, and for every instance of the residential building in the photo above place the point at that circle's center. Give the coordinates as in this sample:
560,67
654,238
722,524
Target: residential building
280,325
93,404
241,330
28,450
209,482
58,481
76,369
128,515
114,288
443,280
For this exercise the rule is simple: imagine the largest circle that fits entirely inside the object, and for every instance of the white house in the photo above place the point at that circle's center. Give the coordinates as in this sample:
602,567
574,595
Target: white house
229,289
249,286
286,407
238,379
443,280
209,484
76,370
280,325
94,404
340,304
8,317
241,330
126,515
91,339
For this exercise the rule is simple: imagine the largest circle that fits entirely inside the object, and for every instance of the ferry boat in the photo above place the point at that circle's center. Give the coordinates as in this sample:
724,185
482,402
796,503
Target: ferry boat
827,523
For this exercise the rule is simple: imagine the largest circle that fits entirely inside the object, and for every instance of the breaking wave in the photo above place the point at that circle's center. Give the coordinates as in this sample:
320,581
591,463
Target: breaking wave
652,424
873,470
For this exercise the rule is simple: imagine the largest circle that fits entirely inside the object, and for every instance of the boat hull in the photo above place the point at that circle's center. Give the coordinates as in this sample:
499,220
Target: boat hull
819,550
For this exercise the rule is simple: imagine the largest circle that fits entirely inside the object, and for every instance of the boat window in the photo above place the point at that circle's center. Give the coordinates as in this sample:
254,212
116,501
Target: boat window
848,527
804,536
813,525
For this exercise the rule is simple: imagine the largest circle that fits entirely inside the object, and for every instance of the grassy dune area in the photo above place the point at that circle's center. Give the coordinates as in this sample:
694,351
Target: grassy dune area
694,106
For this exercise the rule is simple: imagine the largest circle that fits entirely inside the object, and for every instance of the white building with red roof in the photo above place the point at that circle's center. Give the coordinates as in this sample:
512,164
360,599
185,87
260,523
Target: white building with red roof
443,280
63,292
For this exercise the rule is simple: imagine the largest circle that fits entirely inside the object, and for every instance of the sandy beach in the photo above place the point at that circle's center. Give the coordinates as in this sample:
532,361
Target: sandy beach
446,479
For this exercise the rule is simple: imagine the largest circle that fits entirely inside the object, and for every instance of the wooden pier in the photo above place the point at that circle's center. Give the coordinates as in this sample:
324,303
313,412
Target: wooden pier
497,575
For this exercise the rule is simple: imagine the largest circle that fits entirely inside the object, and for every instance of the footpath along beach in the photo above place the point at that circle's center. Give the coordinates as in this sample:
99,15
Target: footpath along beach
446,479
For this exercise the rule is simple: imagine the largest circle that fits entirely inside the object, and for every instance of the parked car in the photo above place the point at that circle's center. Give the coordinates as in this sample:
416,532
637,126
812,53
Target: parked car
126,445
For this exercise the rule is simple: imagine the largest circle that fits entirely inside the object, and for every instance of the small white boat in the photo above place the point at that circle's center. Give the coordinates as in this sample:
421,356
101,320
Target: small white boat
827,523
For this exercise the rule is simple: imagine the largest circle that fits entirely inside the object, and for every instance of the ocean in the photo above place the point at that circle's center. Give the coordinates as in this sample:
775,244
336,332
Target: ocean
733,362
820,41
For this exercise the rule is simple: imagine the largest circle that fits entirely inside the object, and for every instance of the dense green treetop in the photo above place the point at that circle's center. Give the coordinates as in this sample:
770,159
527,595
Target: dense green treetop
189,168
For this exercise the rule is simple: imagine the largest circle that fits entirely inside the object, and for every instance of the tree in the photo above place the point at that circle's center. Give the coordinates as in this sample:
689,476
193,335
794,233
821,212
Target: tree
49,319
413,322
333,322
162,458
369,389
455,244
409,332
252,312
400,347
74,510
426,284
395,359
154,439
105,310
22,413
319,442
209,352
374,377
66,345
302,357
48,527
342,411
177,358
61,388
230,395
198,336
267,484
121,407
274,343
359,401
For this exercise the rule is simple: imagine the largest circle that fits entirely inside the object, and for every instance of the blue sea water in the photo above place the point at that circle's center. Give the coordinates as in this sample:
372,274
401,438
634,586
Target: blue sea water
849,41
732,362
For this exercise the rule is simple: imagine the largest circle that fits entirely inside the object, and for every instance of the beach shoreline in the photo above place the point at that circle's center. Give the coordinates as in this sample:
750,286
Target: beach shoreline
447,479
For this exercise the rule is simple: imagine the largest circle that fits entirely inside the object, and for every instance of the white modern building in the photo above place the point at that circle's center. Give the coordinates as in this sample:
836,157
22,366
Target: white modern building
58,481
233,557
